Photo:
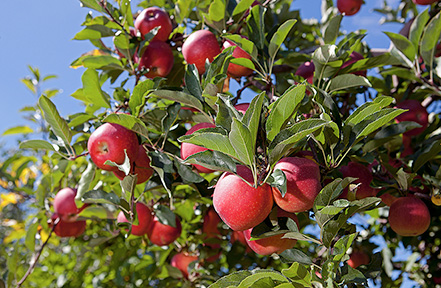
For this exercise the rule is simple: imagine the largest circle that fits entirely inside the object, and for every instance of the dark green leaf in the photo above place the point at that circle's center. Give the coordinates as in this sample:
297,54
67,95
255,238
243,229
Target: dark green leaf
429,153
231,279
278,180
170,118
181,97
298,273
332,29
165,215
37,144
353,276
279,37
186,173
242,142
213,160
255,23
295,255
192,82
345,81
403,44
430,40
92,89
251,119
100,197
137,99
58,124
128,121
252,280
375,121
417,28
226,112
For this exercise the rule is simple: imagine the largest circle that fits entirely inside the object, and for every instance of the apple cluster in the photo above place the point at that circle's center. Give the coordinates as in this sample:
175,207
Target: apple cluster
66,213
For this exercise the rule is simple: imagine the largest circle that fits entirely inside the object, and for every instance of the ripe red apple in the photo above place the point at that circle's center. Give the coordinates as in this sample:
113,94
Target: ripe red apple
306,70
409,216
235,70
349,7
273,244
354,57
161,234
181,261
64,203
211,221
358,258
417,113
364,175
238,204
198,47
108,142
152,17
424,2
158,58
242,107
145,219
388,199
142,167
68,229
303,184
188,149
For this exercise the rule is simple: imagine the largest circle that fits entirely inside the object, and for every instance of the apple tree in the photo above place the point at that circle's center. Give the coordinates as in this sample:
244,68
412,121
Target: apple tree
231,144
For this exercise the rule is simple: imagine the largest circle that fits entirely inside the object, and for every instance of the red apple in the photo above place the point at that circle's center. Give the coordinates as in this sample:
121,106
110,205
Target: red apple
302,181
349,7
142,167
188,149
358,258
409,216
198,47
417,113
181,261
68,229
235,70
145,219
108,142
306,70
424,2
273,244
211,221
158,59
354,57
364,175
152,17
64,203
161,234
238,236
388,199
238,204
242,107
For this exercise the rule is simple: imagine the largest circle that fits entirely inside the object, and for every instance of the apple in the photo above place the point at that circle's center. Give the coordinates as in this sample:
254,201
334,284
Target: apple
417,113
142,167
235,70
108,142
302,182
158,59
188,149
239,236
64,204
238,204
181,261
409,216
306,70
242,107
424,2
354,57
272,244
161,234
145,219
358,258
198,47
388,198
349,7
364,175
211,221
152,17
66,228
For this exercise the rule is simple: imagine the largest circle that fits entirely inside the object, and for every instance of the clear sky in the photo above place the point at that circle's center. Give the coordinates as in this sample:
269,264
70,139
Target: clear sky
39,33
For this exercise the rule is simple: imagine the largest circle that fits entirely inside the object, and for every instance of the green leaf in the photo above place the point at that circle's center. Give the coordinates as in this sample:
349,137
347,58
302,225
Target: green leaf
31,231
186,173
29,84
298,273
93,4
242,141
94,32
353,276
100,61
427,154
255,23
225,112
231,279
245,62
96,212
326,62
288,137
283,109
213,160
181,97
243,43
165,215
216,11
367,109
58,124
126,10
137,99
128,121
170,118
251,280
251,119
375,121
278,180
100,197
332,29
403,44
430,40
242,7
18,130
80,118
342,245
279,37
417,28
92,89
37,144
295,255
345,81
85,181
192,82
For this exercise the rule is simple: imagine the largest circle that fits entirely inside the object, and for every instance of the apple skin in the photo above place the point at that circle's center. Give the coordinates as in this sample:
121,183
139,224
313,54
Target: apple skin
152,17
306,70
188,149
388,199
64,203
409,216
200,45
181,261
358,258
354,57
242,107
273,244
161,234
235,70
209,228
68,229
349,7
238,204
417,113
108,142
303,184
158,58
364,175
142,167
145,219
424,2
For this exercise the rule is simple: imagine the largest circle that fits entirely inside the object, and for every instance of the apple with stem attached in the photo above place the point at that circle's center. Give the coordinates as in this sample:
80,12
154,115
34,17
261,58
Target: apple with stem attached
143,170
199,47
158,59
409,216
302,183
188,149
240,205
162,234
152,17
181,261
108,142
364,175
235,70
145,219
416,113
349,7
358,258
